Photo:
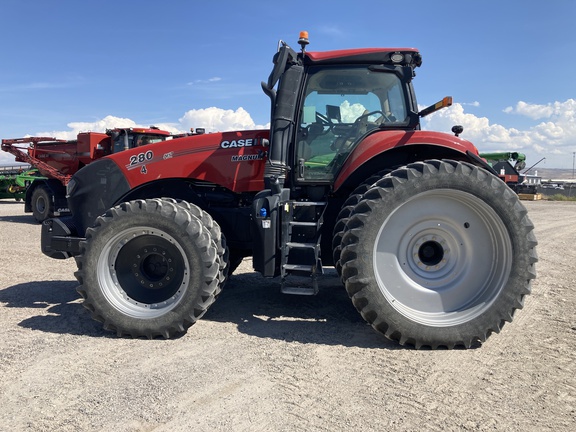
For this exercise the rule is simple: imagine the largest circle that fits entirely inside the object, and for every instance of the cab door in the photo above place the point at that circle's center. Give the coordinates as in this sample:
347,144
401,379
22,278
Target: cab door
340,106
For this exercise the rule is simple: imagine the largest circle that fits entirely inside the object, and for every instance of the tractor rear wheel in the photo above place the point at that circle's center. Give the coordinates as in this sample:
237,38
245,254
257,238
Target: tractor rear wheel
345,213
42,207
438,254
148,269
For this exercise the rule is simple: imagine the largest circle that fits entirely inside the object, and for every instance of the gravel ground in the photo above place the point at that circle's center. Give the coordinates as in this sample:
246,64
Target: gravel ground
259,360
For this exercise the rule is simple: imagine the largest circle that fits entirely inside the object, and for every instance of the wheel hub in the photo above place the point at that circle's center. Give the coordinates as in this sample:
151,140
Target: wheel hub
430,252
41,204
152,267
149,269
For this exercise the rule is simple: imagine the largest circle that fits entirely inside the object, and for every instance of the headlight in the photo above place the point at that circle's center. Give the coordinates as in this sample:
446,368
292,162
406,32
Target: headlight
397,57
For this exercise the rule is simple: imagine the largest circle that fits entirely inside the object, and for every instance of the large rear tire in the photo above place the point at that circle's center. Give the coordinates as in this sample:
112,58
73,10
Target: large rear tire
148,269
344,216
438,254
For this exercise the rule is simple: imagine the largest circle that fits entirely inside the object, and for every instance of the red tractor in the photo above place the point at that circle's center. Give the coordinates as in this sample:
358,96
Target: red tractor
59,159
432,247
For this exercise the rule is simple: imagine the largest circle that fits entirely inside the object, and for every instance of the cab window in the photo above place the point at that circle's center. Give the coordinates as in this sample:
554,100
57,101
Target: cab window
340,106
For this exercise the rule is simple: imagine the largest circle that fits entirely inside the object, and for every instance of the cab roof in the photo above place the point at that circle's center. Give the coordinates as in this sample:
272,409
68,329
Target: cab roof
409,56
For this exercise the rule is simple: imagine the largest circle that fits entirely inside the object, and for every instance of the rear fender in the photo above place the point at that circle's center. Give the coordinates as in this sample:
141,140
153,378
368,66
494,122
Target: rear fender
388,149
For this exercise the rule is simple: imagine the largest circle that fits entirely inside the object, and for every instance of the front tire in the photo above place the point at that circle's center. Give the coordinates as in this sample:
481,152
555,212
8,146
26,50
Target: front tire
148,269
438,254
217,236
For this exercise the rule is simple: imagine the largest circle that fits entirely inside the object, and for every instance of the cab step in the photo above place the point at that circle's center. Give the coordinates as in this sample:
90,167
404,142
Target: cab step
299,285
301,232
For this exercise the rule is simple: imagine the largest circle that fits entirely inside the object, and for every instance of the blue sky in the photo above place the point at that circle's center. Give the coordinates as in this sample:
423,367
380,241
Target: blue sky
67,66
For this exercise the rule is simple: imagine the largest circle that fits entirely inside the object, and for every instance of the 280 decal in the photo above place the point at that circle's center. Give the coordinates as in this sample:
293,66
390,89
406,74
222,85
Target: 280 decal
140,159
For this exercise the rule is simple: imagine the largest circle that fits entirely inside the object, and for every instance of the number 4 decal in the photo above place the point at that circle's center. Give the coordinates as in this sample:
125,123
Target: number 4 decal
143,170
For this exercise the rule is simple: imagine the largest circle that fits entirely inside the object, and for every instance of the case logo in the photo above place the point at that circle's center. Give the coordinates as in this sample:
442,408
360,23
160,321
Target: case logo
248,142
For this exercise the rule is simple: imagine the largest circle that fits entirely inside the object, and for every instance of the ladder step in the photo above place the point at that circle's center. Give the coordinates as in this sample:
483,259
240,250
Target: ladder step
311,224
308,203
298,290
303,269
297,245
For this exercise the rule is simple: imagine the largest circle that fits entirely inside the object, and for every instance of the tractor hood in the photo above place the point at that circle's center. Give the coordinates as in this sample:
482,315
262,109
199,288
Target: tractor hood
234,160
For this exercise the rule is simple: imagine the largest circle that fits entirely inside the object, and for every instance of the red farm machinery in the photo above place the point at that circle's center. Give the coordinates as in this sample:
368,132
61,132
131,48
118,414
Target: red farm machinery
432,247
57,160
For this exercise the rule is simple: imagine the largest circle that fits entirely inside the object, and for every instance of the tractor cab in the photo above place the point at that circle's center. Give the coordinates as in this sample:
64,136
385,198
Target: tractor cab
124,139
327,102
340,105
324,105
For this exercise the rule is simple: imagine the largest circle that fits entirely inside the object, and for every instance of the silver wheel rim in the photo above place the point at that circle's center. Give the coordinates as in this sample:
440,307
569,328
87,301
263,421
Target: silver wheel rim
119,296
442,258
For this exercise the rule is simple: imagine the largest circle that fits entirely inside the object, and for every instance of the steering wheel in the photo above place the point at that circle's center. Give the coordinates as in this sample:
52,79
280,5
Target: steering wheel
358,128
320,127
325,122
362,121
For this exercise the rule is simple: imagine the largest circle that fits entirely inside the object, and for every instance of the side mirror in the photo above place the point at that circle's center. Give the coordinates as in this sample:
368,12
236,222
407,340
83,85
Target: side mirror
446,102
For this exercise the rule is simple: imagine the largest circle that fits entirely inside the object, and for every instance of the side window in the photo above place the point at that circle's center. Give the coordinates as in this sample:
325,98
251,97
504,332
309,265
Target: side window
340,106
395,108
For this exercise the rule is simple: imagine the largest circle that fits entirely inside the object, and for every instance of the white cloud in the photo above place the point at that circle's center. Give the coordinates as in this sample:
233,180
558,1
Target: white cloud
204,81
349,113
7,159
107,122
218,120
533,111
36,86
212,119
555,136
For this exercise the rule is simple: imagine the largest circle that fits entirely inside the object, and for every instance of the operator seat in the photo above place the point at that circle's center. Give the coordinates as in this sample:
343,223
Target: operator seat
308,135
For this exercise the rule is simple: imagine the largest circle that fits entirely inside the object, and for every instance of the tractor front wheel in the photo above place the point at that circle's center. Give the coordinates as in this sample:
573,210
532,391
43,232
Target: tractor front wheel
438,254
148,269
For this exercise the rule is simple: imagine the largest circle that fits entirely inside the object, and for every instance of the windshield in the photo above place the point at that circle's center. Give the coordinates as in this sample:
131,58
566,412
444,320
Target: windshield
340,106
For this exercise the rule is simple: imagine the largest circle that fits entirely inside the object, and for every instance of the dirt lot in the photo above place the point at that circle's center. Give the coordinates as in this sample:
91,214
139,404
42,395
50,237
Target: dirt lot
261,361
